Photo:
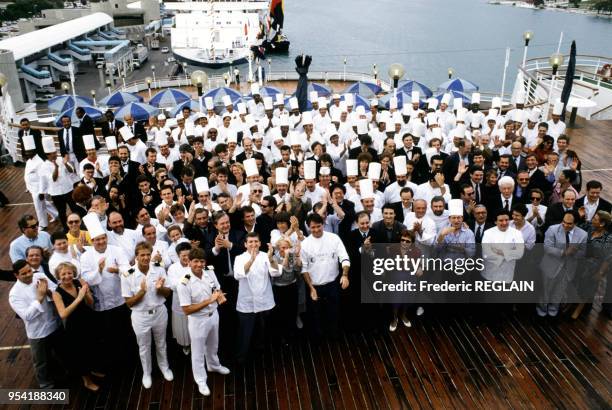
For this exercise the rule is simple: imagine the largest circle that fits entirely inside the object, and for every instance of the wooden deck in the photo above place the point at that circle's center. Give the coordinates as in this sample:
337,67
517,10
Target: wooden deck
446,360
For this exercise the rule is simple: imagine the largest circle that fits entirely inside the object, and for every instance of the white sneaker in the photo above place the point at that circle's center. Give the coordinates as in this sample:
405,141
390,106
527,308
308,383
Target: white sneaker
221,370
203,389
186,350
406,322
298,322
168,375
146,381
420,311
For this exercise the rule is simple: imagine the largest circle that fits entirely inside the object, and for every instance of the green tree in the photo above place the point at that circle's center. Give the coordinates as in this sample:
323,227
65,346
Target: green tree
27,8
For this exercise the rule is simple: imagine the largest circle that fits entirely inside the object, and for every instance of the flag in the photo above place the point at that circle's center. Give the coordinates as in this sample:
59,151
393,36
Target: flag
569,78
277,13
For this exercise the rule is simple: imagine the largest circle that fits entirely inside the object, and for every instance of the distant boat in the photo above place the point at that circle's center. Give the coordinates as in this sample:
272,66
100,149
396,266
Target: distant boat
216,34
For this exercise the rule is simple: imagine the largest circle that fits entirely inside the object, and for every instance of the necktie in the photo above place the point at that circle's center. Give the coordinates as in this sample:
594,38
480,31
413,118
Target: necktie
477,190
567,239
230,269
111,125
67,142
479,234
365,235
506,207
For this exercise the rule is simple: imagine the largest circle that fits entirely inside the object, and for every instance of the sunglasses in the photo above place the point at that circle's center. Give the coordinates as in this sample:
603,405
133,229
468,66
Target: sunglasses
74,222
257,191
33,226
535,198
523,179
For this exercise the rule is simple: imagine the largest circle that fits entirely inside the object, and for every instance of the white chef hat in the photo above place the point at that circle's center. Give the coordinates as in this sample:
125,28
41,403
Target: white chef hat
418,129
374,169
415,96
397,118
349,99
88,141
255,89
28,142
48,145
501,133
250,167
111,142
393,103
306,118
352,167
373,102
360,110
268,103
521,96
437,133
461,114
126,133
335,96
201,184
366,189
294,139
314,96
534,116
284,121
384,117
209,103
475,98
242,108
179,116
518,115
310,169
282,175
399,165
335,116
293,103
390,126
161,138
343,106
189,129
161,117
496,102
322,102
457,103
362,126
446,98
231,136
455,207
432,104
324,171
227,101
432,119
558,108
279,99
93,225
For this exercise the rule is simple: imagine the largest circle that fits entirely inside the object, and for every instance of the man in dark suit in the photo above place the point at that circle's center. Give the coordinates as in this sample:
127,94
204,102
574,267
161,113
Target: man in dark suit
198,228
411,152
503,167
151,165
111,125
352,310
480,224
555,212
504,200
36,134
129,169
145,197
87,124
517,159
387,230
348,207
265,224
537,179
247,145
366,146
95,184
71,140
186,153
451,164
187,186
591,203
403,207
137,128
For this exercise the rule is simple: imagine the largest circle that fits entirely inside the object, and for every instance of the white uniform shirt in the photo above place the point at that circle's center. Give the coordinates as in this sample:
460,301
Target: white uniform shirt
130,285
192,290
254,287
39,318
106,286
31,176
126,241
427,192
510,243
138,152
62,185
316,195
176,272
320,257
428,235
57,258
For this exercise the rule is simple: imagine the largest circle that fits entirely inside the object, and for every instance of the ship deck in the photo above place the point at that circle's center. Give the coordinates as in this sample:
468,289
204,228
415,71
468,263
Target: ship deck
444,361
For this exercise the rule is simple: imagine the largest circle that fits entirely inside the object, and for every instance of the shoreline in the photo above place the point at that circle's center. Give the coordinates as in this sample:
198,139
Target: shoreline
525,5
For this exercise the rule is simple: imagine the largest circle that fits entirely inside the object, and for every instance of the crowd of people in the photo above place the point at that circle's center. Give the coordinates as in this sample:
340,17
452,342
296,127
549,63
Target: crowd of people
249,220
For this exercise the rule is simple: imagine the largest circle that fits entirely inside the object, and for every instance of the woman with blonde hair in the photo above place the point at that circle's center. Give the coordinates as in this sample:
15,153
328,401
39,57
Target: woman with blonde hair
74,303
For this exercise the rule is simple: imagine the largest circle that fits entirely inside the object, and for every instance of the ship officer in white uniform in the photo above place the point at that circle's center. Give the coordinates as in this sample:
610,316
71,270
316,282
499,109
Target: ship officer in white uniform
144,290
200,295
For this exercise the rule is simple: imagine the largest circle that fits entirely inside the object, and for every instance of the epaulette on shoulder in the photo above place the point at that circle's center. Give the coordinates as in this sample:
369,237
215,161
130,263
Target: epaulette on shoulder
128,272
185,279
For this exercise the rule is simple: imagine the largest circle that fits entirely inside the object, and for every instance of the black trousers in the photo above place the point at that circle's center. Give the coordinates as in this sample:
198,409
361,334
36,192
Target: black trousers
286,309
323,313
45,354
60,202
249,324
116,336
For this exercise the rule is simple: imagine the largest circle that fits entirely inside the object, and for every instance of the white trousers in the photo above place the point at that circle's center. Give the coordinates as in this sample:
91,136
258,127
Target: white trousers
146,324
204,334
42,208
